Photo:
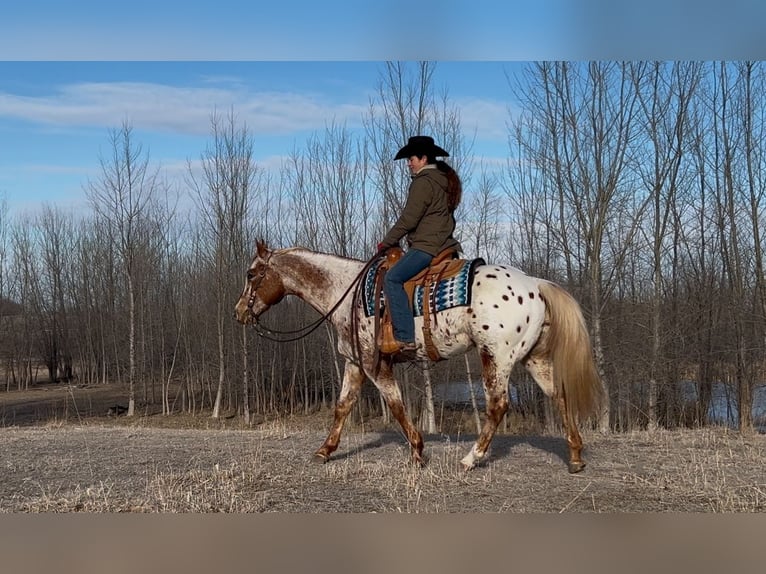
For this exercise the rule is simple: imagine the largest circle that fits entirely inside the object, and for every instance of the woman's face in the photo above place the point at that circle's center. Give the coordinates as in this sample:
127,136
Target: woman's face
416,163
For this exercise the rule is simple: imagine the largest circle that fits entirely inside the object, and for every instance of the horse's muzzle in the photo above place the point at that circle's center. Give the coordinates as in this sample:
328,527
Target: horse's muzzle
243,313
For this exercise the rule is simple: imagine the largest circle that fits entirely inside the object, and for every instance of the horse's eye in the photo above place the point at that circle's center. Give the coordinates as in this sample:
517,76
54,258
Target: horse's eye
250,275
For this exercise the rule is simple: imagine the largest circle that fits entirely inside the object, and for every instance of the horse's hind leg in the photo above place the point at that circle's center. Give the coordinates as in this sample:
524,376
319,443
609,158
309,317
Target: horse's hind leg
392,394
495,374
574,440
352,382
541,370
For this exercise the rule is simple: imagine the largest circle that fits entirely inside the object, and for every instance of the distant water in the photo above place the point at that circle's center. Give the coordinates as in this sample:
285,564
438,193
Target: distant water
723,406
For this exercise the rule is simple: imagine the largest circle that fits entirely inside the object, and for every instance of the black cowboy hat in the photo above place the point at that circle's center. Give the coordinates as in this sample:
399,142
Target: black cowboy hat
420,146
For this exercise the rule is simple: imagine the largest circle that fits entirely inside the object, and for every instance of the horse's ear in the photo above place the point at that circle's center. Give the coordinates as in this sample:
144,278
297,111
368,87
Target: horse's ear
260,248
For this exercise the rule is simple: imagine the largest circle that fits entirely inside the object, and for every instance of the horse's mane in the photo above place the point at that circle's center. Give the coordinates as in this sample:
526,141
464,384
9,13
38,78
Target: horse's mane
296,248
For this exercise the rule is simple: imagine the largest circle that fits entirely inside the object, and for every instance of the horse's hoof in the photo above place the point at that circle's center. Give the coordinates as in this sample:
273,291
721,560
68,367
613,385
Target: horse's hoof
575,467
418,461
320,458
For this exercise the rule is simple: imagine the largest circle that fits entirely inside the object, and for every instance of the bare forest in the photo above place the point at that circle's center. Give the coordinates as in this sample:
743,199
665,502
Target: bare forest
639,187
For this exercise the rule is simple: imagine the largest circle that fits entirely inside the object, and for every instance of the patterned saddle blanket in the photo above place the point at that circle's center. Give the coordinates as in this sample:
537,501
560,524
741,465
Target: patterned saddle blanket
453,288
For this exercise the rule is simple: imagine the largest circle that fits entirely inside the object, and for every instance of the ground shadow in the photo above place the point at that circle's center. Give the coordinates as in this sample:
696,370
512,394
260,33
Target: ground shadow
500,448
372,441
503,445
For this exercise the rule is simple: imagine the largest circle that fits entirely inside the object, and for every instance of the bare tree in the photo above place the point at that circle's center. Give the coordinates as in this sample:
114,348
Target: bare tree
223,191
329,183
120,198
752,119
55,239
664,93
480,216
587,112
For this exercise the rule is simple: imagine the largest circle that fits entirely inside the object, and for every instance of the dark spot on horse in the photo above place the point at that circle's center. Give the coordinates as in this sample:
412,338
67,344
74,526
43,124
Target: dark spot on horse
508,275
523,343
481,302
527,318
490,276
478,283
518,329
495,306
521,300
505,297
474,316
485,327
502,326
470,310
531,295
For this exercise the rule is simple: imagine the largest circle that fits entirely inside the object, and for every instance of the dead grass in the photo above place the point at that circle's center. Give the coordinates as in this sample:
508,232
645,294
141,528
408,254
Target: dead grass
194,464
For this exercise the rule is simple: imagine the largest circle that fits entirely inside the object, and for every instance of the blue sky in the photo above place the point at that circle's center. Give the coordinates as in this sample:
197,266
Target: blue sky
71,71
55,117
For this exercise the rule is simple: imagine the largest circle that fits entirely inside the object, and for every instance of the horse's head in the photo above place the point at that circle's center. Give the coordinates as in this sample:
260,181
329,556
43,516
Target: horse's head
263,287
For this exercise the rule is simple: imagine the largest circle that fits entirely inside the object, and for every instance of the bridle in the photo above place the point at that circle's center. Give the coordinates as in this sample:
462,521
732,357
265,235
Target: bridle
296,334
258,280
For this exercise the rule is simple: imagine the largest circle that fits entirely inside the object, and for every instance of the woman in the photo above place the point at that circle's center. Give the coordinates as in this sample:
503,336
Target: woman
427,221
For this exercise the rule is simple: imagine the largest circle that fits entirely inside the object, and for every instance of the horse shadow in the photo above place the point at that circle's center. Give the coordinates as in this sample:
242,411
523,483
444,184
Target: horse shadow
500,448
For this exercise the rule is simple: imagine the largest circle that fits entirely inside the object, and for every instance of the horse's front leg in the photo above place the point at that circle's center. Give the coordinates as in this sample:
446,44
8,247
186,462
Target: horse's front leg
352,382
392,394
495,375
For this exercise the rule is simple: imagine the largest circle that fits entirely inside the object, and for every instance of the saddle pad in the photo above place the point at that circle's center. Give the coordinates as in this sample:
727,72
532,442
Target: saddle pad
368,288
454,291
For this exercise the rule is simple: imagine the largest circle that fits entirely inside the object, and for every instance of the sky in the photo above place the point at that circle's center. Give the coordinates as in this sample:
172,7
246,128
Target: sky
55,117
70,72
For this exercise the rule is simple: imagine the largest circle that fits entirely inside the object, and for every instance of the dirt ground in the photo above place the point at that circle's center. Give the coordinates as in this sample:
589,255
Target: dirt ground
61,453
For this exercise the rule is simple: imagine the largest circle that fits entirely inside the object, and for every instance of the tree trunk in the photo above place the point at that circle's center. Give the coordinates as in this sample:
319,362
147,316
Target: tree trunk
221,369
131,348
245,377
472,392
428,406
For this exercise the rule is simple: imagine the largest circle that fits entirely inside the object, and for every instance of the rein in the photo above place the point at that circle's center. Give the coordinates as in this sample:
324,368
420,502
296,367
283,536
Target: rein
306,330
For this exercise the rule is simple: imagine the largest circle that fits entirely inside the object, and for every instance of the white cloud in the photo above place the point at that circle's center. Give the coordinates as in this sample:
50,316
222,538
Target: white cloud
489,118
176,109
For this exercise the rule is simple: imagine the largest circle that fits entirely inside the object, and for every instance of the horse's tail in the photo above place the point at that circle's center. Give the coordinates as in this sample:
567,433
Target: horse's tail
567,345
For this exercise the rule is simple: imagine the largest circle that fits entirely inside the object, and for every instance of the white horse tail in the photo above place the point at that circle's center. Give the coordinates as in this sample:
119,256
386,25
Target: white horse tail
567,345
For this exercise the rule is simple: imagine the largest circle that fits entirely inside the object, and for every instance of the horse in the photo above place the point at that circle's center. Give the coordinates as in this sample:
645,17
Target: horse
511,317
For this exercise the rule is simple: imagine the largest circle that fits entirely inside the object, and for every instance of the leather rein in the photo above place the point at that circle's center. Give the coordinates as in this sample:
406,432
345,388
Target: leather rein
306,330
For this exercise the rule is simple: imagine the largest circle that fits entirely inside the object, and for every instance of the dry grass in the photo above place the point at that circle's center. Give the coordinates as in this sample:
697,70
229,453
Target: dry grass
194,464
63,468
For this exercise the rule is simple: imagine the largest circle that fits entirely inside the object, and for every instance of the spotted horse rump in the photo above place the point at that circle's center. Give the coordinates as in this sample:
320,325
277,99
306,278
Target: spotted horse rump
511,317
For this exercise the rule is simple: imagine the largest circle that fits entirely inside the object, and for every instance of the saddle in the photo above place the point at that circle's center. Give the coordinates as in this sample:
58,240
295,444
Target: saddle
444,266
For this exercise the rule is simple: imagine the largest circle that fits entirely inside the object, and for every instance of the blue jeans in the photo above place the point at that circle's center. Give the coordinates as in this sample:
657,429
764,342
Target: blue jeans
412,263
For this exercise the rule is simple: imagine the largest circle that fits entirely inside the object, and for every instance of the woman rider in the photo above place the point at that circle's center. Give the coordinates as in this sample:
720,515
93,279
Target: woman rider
427,222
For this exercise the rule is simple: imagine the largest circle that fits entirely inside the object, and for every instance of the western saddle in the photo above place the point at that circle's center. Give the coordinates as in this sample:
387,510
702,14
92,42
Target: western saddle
443,266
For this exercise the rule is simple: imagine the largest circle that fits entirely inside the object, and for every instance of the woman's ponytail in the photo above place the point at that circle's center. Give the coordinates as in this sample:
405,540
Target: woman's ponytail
454,185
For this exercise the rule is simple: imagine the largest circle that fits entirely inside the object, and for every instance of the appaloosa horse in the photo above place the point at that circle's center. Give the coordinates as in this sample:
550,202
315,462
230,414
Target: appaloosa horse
512,317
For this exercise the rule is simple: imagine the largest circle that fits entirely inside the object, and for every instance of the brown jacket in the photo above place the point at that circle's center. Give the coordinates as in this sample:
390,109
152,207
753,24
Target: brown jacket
426,219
